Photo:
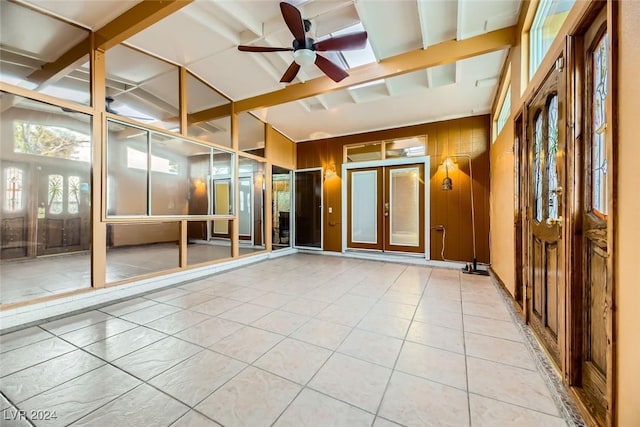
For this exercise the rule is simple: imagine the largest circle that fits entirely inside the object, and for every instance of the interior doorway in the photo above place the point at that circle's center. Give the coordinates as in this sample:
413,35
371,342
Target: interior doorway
385,206
308,190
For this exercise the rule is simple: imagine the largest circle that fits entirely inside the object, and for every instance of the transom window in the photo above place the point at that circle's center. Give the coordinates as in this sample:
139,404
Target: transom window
505,110
548,19
51,141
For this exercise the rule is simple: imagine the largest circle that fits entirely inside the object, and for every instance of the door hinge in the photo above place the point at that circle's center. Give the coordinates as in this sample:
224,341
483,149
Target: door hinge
560,63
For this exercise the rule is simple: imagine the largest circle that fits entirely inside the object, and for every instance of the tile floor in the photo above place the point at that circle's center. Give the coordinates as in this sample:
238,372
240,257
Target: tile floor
303,340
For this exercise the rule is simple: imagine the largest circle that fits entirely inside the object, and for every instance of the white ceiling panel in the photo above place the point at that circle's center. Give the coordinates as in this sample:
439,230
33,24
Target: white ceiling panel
438,20
393,26
477,17
92,14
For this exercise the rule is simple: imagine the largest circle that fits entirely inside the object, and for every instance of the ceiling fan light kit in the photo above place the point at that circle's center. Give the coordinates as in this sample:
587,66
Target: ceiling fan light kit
304,48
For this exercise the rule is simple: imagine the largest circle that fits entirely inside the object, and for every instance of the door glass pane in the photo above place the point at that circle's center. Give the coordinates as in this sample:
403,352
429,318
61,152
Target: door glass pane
309,208
281,184
221,204
552,152
13,189
364,152
537,168
404,209
408,147
599,196
54,194
364,211
244,215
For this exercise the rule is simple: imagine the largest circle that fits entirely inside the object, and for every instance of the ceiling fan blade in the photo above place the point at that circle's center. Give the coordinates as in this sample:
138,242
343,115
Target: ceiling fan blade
348,42
334,72
293,19
291,73
243,48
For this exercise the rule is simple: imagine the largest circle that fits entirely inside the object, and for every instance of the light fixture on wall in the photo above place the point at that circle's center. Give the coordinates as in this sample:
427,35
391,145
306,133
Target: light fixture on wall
447,185
330,171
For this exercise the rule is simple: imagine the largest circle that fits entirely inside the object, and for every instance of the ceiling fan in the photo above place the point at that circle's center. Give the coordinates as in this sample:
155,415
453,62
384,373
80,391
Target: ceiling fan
304,48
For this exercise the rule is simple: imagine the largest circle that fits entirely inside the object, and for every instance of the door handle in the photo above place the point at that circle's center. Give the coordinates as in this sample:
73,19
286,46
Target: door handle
386,209
558,191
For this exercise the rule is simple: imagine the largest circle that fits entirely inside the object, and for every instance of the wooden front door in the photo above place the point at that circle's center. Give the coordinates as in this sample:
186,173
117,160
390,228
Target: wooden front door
385,208
594,308
546,259
14,220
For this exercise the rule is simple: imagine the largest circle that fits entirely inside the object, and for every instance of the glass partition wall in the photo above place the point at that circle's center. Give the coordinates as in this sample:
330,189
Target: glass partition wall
281,183
101,192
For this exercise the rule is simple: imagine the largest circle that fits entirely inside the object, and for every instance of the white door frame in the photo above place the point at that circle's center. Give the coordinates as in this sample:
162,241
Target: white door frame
389,162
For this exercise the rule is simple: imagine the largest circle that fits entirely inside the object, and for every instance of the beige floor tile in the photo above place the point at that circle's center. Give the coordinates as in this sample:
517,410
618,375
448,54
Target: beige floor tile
433,364
178,321
374,348
216,306
487,412
381,422
247,344
320,332
194,419
189,300
353,381
436,336
253,398
127,342
245,294
499,350
348,316
27,383
328,294
273,300
492,327
22,337
142,406
349,300
497,310
209,332
11,417
295,360
197,377
281,322
442,304
406,402
166,294
97,332
306,307
246,313
438,317
78,321
4,403
150,314
510,384
313,409
32,354
156,358
401,297
76,398
396,309
128,306
385,325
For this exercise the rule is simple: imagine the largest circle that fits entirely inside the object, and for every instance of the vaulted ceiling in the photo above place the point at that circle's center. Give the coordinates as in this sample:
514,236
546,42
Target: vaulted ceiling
431,60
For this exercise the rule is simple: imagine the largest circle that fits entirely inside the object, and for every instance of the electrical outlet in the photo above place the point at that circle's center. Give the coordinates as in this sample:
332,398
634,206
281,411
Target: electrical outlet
330,209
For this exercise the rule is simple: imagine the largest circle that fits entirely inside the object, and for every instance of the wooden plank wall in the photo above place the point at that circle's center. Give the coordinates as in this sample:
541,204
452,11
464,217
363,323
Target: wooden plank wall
452,209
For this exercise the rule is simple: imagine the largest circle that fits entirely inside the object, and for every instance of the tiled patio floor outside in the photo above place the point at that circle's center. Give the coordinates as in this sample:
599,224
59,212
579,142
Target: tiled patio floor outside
302,340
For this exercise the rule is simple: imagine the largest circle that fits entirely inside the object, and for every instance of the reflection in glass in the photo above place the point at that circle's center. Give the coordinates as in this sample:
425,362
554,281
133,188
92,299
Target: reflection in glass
45,184
203,250
281,187
407,147
146,93
251,134
308,199
139,249
204,123
36,45
251,214
363,152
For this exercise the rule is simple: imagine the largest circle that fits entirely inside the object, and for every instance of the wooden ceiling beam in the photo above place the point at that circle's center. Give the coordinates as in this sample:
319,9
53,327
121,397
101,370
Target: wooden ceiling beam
139,17
438,54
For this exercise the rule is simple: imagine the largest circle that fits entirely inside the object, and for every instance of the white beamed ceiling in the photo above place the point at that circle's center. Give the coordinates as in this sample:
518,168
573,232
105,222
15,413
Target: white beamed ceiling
203,37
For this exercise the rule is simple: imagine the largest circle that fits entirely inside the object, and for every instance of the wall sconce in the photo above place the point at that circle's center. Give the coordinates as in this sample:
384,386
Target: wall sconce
330,171
447,184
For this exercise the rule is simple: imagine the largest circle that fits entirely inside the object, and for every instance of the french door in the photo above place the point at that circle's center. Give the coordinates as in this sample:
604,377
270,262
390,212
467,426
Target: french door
546,257
386,208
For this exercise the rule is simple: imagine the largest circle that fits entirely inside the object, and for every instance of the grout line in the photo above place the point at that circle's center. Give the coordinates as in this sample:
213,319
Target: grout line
464,346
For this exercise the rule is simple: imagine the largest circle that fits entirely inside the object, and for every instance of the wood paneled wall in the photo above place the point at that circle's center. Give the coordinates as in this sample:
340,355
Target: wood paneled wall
451,209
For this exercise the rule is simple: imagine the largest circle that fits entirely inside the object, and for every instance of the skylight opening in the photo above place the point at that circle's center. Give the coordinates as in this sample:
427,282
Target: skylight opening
354,58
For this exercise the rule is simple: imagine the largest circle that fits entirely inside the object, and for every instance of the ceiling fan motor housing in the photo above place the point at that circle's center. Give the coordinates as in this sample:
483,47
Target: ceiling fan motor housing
308,44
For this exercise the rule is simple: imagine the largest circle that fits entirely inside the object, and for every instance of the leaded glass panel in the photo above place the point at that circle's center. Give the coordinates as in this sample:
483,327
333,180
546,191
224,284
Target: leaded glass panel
552,152
599,196
537,168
